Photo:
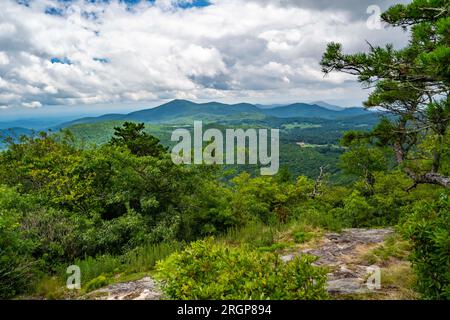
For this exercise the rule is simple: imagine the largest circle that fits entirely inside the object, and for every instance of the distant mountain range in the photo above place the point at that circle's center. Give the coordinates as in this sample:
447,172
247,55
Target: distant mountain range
328,106
41,123
178,111
15,133
313,111
186,112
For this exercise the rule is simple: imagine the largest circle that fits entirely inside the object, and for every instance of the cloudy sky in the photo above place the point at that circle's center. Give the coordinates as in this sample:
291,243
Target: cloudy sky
97,53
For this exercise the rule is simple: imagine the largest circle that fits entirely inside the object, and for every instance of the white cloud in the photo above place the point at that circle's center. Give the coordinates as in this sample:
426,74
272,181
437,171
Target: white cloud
233,50
33,104
4,59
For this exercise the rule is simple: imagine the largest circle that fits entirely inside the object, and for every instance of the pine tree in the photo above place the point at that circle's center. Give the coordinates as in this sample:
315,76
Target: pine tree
412,84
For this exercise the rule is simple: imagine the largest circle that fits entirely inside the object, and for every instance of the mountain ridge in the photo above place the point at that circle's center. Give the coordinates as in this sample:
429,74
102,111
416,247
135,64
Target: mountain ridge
327,105
177,110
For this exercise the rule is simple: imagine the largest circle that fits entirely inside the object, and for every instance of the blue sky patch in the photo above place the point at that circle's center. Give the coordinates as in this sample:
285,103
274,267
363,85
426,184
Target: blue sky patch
183,4
54,11
194,4
102,60
60,60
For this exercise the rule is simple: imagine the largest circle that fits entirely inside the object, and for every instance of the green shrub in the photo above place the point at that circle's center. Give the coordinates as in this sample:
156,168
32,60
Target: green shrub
207,270
138,260
302,236
320,218
393,247
50,288
261,199
118,235
273,247
16,264
357,212
96,283
427,227
92,268
144,258
254,234
56,235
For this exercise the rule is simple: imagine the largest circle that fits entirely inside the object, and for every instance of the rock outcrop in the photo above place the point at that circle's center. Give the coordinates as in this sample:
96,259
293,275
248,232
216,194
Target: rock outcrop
143,289
341,252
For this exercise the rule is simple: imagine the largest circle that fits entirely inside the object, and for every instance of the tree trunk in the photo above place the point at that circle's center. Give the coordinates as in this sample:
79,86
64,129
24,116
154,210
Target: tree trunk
435,178
428,178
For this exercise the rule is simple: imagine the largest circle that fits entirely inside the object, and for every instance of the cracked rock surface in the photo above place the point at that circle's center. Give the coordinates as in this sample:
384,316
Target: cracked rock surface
340,252
143,289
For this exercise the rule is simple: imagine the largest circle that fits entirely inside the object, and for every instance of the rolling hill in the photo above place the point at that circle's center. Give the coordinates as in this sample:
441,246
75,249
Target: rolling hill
33,123
328,106
313,111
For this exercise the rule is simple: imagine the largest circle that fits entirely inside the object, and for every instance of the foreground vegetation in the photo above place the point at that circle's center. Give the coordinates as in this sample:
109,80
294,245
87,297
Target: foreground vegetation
213,271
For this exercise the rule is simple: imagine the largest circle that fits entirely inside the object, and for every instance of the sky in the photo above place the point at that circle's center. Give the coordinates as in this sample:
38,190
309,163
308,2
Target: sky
94,56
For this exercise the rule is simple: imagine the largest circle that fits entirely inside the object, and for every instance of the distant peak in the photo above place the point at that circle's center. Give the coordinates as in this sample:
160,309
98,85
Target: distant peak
176,102
327,105
180,100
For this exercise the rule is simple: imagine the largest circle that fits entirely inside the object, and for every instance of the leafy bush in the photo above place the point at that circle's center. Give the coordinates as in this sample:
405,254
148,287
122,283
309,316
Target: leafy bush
51,287
56,235
92,268
302,236
137,260
321,218
427,227
144,258
261,199
16,265
273,247
253,234
118,235
96,283
207,270
357,212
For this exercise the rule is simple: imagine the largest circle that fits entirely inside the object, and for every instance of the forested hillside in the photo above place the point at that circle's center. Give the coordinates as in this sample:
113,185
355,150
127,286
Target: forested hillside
306,144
